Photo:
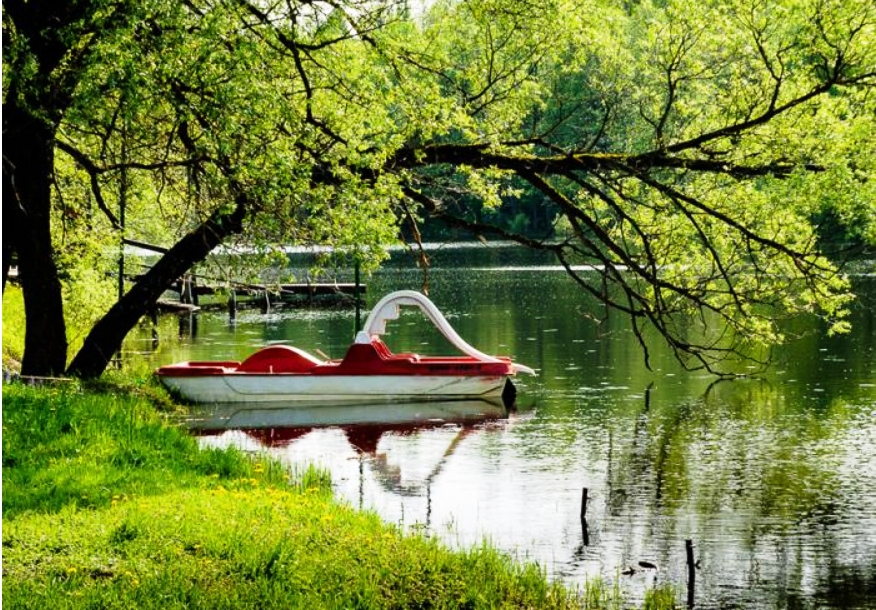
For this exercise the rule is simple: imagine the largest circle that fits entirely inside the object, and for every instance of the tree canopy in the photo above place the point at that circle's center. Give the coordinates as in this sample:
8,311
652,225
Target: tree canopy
680,152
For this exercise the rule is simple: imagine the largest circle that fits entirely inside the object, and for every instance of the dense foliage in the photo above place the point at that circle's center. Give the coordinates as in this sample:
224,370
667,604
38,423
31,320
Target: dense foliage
685,150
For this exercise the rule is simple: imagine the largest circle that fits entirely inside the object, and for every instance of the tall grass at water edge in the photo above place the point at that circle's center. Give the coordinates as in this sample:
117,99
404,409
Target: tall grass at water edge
105,505
65,448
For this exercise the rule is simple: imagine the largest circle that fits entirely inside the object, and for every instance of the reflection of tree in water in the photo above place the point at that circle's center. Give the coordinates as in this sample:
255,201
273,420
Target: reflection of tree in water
765,473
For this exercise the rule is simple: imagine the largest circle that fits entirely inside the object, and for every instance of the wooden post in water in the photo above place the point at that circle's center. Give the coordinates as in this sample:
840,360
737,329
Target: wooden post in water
358,302
232,304
185,290
691,572
185,325
585,530
153,317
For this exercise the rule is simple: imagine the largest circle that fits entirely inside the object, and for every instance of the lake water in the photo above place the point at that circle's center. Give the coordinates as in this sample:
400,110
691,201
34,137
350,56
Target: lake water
773,479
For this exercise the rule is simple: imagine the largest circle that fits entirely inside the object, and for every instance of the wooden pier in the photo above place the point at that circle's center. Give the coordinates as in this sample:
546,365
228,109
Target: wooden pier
234,295
267,296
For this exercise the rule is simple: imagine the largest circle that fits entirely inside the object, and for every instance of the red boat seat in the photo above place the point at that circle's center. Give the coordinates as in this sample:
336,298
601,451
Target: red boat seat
384,353
279,359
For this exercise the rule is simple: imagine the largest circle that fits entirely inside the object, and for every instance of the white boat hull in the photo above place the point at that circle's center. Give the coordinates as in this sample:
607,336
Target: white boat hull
270,388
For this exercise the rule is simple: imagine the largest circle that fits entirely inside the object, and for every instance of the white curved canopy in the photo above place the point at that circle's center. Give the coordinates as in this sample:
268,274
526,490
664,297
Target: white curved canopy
388,308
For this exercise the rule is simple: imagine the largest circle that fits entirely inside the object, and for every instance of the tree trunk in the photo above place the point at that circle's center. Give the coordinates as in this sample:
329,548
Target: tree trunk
9,225
105,338
28,150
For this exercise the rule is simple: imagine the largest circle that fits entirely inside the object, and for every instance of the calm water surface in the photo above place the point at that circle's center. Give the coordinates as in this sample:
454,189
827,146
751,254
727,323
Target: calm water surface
774,480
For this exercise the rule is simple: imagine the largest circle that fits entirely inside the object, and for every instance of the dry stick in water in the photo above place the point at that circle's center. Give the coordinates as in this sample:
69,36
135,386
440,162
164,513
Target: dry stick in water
584,529
691,572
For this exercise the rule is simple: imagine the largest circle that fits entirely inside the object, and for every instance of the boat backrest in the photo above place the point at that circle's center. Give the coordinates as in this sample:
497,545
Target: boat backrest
279,359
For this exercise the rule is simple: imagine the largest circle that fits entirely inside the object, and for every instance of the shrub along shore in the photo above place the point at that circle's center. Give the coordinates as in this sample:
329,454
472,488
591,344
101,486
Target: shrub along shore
107,505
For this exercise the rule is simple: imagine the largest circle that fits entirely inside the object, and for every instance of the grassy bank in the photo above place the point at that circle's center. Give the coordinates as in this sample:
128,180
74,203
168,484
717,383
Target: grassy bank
13,327
107,506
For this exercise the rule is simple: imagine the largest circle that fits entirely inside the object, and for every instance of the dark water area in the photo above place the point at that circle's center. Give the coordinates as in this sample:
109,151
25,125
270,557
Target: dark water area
773,479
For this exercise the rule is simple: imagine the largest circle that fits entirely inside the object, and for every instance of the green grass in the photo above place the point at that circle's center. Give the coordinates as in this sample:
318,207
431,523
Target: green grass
13,326
105,505
63,447
660,598
249,548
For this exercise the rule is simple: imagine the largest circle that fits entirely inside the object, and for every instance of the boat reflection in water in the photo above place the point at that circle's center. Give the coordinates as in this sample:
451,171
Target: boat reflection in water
256,421
344,437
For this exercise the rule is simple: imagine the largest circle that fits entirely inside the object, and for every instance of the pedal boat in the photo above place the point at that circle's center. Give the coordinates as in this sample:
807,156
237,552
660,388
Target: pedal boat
368,372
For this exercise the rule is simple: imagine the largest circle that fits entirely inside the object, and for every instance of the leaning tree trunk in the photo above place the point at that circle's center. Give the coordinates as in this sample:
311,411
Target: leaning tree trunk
28,165
105,338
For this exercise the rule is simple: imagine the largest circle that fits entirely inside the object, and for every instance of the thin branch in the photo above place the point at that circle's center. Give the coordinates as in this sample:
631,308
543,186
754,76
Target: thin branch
93,172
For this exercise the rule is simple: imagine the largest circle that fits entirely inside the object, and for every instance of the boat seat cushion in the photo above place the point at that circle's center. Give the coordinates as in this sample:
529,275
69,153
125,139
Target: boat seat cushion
279,359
